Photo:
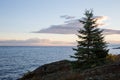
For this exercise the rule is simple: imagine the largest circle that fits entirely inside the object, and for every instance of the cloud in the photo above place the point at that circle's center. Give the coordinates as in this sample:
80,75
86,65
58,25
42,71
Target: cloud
34,42
68,28
111,31
72,26
67,17
100,19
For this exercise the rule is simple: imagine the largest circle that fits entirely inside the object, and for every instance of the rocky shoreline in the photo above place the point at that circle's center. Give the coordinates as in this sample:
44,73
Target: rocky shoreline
62,70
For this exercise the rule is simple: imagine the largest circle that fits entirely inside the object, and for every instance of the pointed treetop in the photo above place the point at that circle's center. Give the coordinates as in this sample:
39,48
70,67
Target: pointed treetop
89,13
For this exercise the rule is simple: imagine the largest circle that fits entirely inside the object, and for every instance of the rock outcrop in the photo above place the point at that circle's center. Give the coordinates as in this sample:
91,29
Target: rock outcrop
106,72
62,70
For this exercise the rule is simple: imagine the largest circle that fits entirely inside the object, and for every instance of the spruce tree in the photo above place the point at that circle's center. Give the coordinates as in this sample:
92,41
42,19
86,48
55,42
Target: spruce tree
91,50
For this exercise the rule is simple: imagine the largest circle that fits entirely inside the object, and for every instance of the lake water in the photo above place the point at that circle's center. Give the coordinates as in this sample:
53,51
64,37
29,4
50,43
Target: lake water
14,61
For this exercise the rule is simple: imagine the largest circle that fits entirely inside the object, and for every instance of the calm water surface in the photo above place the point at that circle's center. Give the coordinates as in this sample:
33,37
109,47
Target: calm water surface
14,61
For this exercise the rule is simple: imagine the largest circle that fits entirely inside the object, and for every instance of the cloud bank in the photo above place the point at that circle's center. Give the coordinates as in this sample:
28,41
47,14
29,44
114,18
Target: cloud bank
34,42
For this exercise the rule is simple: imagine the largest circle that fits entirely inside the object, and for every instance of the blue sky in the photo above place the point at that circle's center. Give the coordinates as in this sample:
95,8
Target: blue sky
25,16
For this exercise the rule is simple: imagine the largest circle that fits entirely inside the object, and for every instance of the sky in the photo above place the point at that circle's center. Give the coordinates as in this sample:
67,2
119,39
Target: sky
53,22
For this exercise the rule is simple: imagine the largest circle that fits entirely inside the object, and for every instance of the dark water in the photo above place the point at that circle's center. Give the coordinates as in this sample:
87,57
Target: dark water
14,61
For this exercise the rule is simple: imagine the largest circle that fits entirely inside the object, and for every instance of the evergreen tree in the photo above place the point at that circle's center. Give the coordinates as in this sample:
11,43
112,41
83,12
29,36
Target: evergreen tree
91,50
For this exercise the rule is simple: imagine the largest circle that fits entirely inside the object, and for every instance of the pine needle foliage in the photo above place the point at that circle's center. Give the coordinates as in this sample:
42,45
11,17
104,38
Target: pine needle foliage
91,50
